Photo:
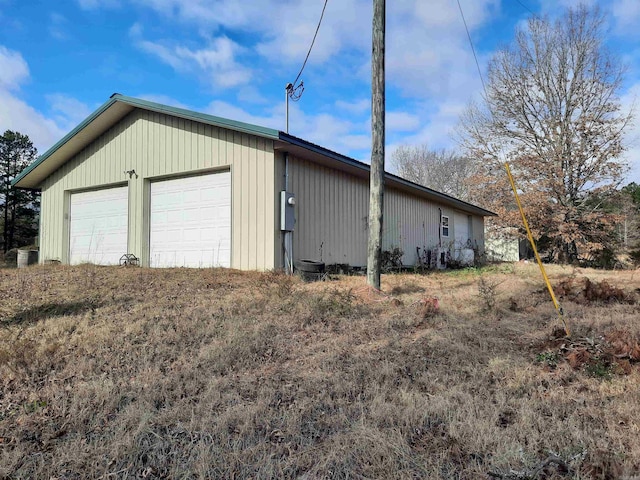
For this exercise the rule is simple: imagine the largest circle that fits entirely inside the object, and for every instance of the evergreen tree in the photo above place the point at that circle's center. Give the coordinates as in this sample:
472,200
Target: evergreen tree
19,208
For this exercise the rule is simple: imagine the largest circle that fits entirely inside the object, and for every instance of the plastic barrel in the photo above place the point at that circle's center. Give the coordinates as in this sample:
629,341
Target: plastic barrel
27,257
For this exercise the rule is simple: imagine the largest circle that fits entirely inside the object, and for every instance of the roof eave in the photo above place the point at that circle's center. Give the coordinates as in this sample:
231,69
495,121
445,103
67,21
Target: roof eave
242,127
20,181
63,141
285,137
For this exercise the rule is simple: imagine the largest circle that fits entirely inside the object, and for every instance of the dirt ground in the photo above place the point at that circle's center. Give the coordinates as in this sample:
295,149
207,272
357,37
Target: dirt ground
112,372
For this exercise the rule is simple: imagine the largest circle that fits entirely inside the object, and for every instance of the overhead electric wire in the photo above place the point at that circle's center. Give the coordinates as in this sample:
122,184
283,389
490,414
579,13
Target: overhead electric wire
293,85
526,8
484,87
515,190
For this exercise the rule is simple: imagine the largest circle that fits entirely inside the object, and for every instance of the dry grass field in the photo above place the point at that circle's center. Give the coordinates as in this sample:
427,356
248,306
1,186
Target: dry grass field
137,373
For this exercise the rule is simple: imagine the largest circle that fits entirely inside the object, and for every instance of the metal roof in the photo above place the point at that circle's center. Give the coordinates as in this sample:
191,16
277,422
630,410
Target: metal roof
119,105
390,179
104,117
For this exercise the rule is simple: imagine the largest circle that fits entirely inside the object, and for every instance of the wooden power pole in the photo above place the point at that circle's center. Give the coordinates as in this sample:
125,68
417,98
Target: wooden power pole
376,181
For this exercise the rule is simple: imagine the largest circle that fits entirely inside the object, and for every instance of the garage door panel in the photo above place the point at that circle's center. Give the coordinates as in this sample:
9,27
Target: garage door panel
98,226
191,221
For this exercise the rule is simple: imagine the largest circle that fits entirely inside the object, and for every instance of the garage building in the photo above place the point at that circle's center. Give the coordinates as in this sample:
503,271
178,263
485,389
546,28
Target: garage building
177,188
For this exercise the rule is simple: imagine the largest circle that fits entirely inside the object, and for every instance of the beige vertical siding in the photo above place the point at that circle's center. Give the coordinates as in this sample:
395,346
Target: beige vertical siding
280,183
156,146
331,214
331,217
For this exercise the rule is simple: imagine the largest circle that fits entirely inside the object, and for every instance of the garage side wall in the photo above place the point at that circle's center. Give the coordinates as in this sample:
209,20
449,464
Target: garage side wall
332,213
160,146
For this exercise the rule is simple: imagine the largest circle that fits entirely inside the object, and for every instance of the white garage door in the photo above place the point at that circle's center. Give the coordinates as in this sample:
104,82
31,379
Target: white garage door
98,226
190,223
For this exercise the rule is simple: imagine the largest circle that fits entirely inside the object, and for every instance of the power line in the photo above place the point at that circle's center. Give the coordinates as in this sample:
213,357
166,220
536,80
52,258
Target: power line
484,87
526,8
295,91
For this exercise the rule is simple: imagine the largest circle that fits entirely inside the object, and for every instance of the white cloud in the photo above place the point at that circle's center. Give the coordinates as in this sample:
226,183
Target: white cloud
164,100
356,107
401,122
13,69
135,31
165,54
438,127
627,15
17,115
216,64
330,131
285,28
95,4
552,7
219,61
58,26
273,118
630,101
67,111
251,94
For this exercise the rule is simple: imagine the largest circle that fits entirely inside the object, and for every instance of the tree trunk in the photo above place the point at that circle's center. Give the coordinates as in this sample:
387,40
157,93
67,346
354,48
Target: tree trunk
5,230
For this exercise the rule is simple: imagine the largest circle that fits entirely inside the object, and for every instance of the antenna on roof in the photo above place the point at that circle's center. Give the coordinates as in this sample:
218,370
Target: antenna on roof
295,90
293,93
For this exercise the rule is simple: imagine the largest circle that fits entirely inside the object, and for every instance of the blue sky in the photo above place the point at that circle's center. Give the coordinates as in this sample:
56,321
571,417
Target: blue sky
61,60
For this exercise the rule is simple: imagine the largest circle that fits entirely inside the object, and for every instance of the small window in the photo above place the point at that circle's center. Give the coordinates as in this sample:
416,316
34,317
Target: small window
445,226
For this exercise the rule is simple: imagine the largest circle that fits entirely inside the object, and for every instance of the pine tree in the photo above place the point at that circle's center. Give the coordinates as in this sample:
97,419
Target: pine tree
19,208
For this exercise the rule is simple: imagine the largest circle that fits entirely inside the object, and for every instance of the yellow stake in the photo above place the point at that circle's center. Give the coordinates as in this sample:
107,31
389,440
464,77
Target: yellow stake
535,251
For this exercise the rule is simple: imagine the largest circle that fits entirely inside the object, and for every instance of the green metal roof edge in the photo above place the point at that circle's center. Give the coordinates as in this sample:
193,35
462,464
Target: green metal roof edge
200,117
232,125
285,137
38,161
157,107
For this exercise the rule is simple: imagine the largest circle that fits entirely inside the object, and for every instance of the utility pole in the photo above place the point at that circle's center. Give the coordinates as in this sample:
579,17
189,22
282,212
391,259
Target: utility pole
376,179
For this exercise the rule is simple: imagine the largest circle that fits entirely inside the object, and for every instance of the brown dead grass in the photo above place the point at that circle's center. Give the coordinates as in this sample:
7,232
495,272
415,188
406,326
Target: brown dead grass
137,373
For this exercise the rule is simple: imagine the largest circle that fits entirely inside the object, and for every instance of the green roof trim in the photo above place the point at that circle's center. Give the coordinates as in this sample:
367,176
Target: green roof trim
285,137
244,128
156,107
200,117
38,161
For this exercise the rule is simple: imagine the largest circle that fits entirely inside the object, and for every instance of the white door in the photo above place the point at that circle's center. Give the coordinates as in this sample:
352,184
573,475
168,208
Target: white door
98,226
190,224
461,233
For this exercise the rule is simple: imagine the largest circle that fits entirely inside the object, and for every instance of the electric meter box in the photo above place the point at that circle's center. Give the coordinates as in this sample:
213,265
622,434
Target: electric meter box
287,211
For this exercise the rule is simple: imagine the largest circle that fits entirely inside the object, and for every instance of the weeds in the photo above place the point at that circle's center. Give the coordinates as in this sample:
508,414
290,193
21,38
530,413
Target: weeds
223,374
599,369
488,293
391,260
550,359
328,307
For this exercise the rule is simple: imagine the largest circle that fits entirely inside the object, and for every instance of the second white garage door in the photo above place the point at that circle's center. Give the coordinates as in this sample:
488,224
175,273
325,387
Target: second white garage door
190,224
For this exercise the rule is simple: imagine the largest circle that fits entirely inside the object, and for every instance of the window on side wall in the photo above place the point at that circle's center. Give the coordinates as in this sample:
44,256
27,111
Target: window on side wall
445,226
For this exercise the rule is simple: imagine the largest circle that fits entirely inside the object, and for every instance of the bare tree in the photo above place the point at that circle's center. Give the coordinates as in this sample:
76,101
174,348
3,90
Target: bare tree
442,170
553,112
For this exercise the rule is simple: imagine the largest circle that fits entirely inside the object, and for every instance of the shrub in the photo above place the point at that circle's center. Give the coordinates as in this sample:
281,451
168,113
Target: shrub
488,293
391,259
